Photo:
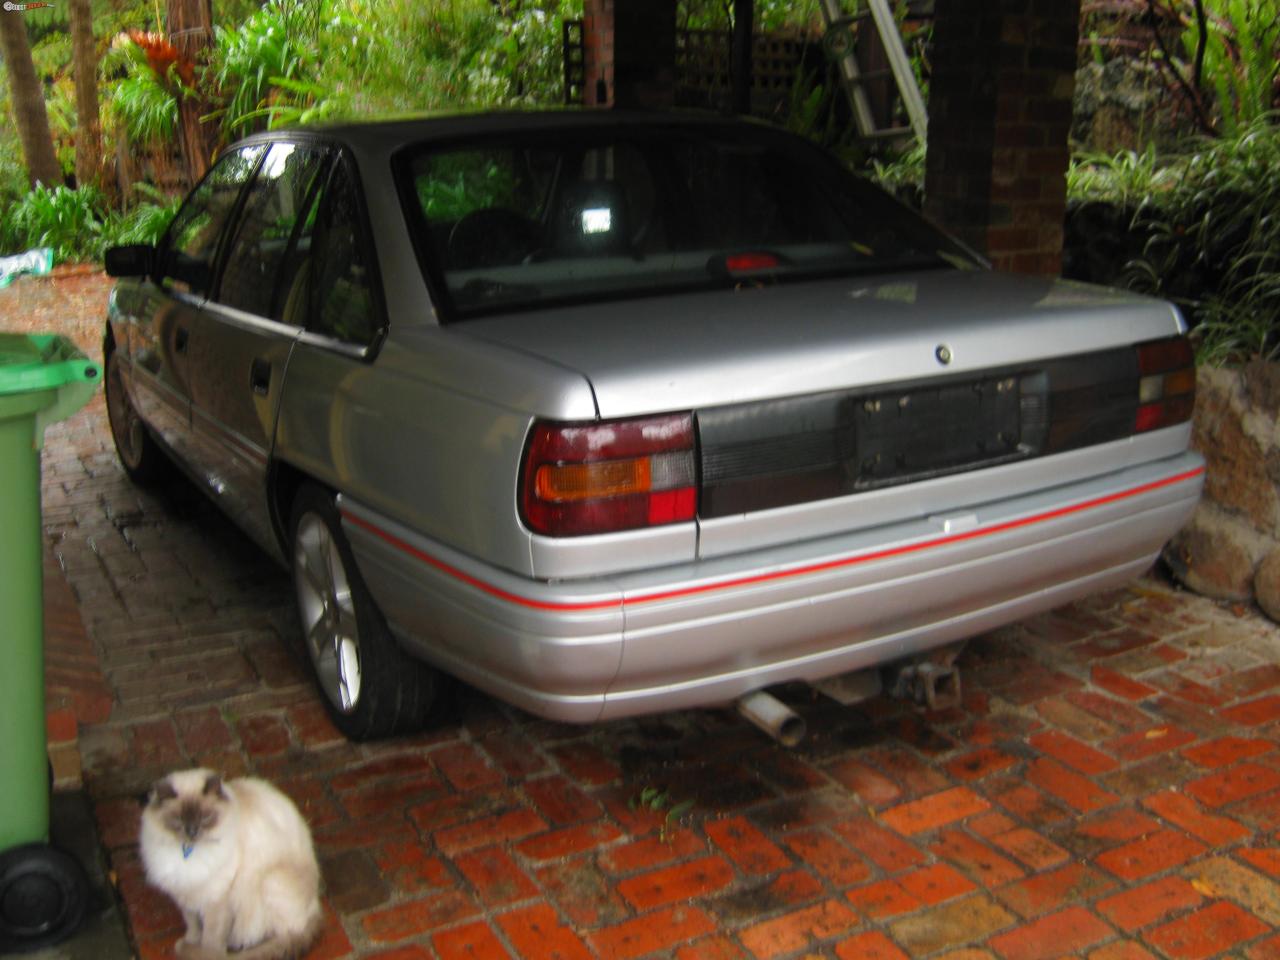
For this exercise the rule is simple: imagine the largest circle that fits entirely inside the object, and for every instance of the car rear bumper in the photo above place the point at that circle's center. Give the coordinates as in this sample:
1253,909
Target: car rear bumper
708,632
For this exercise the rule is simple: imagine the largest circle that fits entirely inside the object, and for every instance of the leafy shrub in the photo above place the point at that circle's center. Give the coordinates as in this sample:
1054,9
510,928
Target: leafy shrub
78,225
69,221
273,47
1200,229
296,63
1125,178
1241,58
138,103
144,223
902,174
1215,245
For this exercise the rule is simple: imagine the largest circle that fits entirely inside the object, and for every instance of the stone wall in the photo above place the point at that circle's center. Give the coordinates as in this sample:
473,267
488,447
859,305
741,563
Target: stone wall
1231,548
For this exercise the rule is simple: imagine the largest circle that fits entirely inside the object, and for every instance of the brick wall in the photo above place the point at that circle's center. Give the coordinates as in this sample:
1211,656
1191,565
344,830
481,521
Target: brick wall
597,54
630,52
999,115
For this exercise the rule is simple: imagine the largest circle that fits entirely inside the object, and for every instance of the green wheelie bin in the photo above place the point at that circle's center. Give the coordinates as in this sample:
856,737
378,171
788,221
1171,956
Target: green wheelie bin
43,891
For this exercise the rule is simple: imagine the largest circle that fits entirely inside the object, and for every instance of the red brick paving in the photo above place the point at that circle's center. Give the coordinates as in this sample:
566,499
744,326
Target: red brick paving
1109,789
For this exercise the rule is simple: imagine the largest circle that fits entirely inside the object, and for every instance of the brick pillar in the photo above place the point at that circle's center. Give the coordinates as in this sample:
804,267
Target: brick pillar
597,52
999,115
630,52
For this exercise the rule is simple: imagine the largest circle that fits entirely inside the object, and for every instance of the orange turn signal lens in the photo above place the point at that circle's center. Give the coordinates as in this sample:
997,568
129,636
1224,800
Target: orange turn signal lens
1180,382
568,482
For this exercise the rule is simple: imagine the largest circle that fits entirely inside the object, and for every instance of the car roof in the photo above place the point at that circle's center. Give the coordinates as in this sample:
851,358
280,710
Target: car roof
385,135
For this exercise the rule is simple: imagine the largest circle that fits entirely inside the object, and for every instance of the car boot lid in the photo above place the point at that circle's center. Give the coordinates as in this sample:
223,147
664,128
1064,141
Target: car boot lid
759,342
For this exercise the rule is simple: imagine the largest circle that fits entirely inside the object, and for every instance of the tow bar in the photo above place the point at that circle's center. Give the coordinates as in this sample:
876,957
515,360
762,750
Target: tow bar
932,681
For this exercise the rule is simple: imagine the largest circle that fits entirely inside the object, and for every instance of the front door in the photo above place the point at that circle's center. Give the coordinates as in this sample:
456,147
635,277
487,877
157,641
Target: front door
243,343
159,348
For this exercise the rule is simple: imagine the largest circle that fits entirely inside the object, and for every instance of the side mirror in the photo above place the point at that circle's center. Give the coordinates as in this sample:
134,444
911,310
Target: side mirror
130,260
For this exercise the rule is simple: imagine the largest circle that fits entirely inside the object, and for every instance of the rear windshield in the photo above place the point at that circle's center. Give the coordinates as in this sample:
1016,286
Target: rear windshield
538,221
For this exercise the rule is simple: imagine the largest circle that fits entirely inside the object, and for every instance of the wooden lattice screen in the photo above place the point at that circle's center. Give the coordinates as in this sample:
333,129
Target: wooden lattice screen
702,68
572,45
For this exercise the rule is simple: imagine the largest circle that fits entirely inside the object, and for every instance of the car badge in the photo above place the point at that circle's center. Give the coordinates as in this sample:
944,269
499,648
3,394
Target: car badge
943,353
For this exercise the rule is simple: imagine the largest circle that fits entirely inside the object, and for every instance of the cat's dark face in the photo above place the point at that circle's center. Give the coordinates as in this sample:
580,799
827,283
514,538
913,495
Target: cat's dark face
188,813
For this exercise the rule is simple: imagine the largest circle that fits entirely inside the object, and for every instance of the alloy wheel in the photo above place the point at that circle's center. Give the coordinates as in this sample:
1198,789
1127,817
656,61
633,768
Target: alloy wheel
327,607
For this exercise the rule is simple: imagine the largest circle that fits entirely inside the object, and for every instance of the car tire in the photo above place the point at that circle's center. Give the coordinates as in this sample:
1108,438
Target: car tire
138,452
368,684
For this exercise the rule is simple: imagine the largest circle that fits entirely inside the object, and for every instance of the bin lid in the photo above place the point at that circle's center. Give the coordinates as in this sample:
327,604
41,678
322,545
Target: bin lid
31,362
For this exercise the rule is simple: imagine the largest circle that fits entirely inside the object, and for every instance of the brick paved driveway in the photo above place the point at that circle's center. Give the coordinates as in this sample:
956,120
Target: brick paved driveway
1110,788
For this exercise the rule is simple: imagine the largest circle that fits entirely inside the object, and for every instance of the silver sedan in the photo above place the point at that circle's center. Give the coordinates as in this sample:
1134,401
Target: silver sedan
612,414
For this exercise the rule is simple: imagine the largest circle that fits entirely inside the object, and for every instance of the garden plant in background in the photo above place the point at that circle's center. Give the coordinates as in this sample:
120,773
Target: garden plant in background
1213,244
1197,224
279,62
1177,219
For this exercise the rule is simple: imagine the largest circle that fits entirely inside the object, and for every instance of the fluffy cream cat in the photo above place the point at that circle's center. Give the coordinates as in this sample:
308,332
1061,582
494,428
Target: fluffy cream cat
237,858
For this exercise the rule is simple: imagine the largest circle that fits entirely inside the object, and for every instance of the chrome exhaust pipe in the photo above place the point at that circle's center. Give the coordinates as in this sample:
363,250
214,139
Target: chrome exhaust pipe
773,717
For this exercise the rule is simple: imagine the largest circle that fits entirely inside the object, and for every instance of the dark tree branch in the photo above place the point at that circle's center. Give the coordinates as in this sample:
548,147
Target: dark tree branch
1193,92
1202,41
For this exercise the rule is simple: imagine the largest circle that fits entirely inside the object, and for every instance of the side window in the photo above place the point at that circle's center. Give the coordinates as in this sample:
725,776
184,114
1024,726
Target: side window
187,260
272,231
342,302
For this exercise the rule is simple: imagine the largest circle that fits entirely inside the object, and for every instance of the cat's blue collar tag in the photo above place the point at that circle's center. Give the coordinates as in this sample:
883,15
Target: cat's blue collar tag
186,850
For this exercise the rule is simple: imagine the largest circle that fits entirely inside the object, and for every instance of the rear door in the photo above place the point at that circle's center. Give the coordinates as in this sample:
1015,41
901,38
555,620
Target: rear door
160,347
246,332
329,427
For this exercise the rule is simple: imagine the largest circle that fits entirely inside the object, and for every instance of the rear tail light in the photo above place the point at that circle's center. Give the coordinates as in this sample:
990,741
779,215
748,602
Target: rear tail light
1166,383
583,478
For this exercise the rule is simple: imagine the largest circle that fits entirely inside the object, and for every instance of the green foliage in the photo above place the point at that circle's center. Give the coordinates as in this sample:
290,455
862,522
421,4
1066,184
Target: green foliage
270,48
43,23
1125,178
145,222
138,104
1229,202
79,225
459,183
298,63
1209,235
528,55
1241,59
69,221
901,174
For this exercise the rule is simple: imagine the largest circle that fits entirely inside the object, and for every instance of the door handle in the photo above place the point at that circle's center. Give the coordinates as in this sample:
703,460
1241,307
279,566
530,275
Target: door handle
260,376
180,337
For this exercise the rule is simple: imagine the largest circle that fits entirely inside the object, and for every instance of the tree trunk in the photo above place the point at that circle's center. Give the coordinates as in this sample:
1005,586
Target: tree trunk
190,26
85,66
27,96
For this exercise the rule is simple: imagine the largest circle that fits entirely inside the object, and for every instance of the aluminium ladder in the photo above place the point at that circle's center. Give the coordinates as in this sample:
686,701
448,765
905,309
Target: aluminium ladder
841,41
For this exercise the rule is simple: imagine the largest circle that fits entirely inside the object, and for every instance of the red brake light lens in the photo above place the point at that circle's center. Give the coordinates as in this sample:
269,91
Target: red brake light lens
745,262
600,477
1166,383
